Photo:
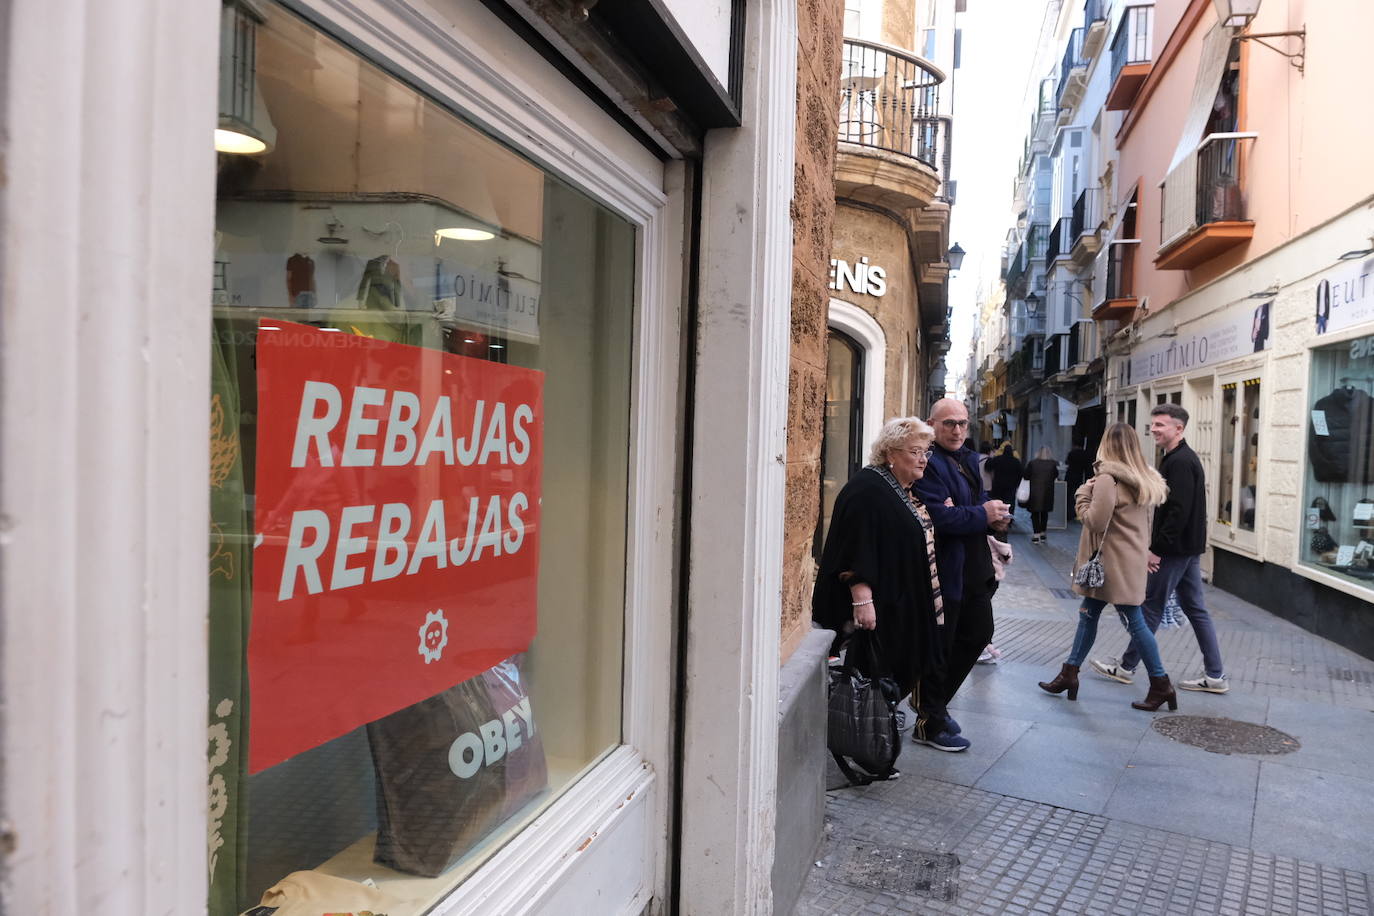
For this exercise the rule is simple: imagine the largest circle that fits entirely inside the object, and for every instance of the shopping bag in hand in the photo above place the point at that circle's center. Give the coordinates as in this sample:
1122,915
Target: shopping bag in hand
862,716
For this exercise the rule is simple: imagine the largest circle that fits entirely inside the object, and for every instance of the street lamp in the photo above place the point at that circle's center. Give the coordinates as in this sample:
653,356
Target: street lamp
1033,303
1236,13
955,256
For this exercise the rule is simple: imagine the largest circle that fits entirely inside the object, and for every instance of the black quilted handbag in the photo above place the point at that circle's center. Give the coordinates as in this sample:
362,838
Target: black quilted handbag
862,717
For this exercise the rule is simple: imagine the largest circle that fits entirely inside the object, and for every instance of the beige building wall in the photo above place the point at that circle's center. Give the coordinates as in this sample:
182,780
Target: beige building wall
819,36
861,232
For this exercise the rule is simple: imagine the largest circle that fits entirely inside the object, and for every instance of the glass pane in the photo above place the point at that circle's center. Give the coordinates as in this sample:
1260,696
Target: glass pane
841,416
1226,454
1338,497
1248,435
416,619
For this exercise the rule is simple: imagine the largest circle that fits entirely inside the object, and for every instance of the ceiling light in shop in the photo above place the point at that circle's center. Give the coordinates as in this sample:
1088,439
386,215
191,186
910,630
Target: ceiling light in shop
232,141
463,234
245,127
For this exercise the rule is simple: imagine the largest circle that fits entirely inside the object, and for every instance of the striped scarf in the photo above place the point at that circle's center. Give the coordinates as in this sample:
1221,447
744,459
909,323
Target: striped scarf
918,509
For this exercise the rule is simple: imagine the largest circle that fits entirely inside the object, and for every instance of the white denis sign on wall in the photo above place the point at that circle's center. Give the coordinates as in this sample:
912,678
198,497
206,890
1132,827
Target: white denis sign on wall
1244,330
1345,297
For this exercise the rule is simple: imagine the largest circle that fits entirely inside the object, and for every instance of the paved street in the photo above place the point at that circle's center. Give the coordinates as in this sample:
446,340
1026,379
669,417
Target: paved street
1087,807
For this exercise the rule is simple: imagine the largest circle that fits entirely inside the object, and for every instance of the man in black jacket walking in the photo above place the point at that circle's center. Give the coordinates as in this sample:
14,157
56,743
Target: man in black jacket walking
1176,547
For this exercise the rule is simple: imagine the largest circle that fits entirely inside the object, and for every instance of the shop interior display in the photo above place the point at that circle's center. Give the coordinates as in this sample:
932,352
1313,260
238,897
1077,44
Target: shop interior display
1340,470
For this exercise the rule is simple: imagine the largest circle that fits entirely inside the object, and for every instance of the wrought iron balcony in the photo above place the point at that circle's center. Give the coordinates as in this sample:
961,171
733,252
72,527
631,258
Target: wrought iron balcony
1131,56
1095,27
1072,72
890,100
1083,228
1059,242
1203,212
1119,299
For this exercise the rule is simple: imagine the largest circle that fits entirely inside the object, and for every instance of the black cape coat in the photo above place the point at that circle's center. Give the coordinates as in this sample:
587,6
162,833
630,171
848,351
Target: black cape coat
875,537
1006,471
1042,473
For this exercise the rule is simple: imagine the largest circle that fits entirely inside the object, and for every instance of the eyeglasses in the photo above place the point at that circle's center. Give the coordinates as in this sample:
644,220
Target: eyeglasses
954,424
922,453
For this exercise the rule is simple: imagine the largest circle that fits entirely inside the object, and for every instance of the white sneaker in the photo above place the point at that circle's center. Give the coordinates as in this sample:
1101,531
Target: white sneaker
1207,684
1110,667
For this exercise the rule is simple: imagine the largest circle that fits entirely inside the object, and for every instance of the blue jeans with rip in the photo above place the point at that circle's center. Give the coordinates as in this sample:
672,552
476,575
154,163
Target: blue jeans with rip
1132,618
1183,575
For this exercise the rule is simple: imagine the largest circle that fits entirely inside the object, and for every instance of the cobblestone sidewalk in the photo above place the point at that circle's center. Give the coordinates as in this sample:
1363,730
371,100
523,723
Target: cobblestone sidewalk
1085,807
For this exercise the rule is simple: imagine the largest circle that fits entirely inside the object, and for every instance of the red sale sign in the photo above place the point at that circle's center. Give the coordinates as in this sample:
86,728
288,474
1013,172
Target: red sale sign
397,529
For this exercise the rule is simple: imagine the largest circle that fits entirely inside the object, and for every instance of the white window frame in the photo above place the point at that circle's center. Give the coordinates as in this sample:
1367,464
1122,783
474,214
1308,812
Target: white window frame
105,784
868,334
1233,537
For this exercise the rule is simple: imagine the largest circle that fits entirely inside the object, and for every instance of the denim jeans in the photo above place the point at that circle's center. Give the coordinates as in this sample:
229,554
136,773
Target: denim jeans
1132,618
1183,575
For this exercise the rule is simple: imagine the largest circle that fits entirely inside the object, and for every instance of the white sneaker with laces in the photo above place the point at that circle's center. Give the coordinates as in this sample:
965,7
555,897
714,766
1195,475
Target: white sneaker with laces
1207,684
1110,667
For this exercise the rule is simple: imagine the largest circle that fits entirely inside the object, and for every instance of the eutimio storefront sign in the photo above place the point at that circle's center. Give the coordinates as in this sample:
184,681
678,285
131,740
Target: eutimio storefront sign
1243,331
1344,297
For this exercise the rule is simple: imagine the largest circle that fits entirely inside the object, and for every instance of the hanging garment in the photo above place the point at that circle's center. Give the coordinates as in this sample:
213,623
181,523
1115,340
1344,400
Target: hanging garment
1341,437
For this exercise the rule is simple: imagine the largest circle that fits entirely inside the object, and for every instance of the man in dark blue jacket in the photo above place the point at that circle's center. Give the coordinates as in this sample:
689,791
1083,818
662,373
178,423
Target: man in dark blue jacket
952,490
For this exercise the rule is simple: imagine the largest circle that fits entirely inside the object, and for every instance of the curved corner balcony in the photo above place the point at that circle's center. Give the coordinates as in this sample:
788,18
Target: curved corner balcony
893,144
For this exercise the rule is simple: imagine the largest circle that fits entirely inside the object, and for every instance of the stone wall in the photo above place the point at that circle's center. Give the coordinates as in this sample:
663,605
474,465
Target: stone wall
819,37
864,232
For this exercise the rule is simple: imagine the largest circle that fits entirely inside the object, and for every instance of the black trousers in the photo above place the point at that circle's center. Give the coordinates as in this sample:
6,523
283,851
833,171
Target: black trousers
1039,520
968,630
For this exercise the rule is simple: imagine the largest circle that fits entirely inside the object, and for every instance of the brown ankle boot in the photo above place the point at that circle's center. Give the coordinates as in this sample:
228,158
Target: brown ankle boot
1066,679
1161,691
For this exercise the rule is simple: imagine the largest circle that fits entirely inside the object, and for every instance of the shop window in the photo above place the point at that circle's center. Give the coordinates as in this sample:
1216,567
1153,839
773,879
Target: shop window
1238,455
1338,495
419,450
842,443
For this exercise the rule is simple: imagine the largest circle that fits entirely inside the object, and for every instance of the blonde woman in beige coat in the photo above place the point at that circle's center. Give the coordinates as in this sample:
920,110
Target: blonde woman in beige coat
1116,507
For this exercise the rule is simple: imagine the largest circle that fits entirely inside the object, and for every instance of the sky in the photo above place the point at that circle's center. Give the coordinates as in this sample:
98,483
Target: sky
991,116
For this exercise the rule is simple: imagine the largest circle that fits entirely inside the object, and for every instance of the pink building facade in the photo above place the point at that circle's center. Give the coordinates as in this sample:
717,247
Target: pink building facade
1243,210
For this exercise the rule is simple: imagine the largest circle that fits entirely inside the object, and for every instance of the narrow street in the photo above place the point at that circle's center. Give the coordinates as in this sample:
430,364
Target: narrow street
1087,807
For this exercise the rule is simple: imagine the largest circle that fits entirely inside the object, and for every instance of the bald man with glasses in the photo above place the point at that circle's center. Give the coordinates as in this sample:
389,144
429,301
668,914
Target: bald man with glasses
964,516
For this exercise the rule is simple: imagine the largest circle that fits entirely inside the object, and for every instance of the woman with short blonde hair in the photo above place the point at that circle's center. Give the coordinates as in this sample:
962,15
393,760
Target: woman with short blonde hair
877,577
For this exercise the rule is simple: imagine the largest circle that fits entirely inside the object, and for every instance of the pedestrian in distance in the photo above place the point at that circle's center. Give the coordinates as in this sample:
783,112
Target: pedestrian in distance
1115,506
1042,472
963,516
1175,555
984,453
878,573
1006,471
1078,467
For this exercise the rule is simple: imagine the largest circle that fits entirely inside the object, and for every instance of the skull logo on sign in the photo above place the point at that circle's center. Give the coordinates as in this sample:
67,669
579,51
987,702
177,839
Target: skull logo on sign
433,636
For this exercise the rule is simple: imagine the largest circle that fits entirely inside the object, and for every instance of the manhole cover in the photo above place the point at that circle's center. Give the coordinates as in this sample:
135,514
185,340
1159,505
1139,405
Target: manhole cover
1226,736
898,870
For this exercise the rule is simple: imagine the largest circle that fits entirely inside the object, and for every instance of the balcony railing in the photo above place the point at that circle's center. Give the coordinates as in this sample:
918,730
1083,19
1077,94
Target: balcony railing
1082,213
1058,244
1037,238
1055,353
1093,11
1073,59
1082,342
890,100
1121,272
1204,188
1132,42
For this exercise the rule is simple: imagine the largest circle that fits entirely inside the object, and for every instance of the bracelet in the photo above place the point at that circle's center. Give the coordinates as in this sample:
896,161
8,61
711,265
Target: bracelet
861,603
